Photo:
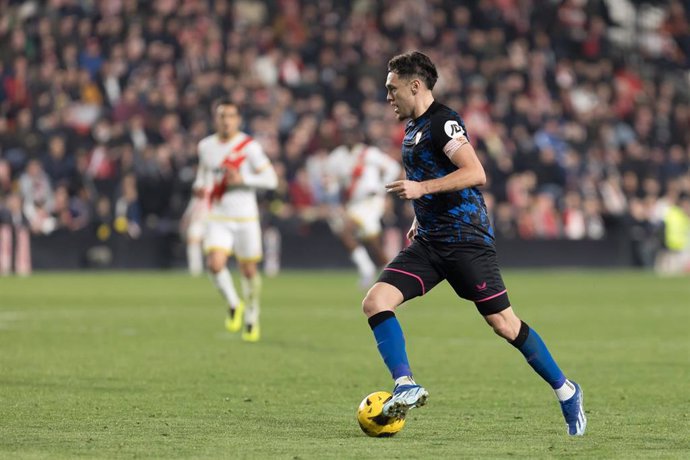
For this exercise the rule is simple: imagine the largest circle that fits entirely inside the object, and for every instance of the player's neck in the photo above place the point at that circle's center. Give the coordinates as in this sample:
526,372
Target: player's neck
227,137
422,104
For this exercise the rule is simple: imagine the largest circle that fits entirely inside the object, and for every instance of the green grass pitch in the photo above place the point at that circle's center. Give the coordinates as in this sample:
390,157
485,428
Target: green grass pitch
138,365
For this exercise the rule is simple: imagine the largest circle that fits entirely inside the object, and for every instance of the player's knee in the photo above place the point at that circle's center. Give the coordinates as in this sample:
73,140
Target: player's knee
504,326
248,270
381,297
503,331
369,305
374,303
214,267
215,263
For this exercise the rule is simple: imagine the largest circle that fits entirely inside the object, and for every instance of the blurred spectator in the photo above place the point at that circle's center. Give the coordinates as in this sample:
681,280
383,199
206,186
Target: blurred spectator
128,218
56,163
644,234
574,217
5,179
675,259
37,197
301,195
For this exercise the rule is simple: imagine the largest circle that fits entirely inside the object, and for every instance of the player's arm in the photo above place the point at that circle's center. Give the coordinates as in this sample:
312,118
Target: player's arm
261,174
457,148
203,182
470,172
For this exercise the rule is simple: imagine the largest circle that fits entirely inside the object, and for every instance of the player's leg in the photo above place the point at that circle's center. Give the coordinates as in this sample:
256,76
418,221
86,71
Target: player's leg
22,255
369,217
192,226
363,219
409,275
375,248
5,249
249,254
251,291
195,256
477,277
506,324
379,305
217,245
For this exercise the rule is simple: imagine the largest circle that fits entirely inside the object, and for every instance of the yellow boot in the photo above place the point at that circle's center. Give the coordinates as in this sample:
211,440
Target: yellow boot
233,322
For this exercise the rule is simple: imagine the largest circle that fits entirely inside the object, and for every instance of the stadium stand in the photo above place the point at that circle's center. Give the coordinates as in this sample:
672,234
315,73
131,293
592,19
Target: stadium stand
579,109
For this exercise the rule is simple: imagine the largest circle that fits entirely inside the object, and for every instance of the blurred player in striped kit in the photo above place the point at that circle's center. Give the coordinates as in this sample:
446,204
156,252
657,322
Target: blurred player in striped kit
360,172
232,166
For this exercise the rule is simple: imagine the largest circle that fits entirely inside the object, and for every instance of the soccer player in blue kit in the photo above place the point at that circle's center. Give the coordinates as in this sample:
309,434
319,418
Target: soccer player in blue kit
452,239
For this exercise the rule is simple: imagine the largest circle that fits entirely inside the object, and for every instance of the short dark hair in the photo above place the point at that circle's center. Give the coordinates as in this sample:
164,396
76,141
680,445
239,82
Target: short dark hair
414,64
223,101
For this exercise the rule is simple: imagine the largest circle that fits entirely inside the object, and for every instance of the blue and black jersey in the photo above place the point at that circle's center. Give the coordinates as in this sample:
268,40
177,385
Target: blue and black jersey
456,217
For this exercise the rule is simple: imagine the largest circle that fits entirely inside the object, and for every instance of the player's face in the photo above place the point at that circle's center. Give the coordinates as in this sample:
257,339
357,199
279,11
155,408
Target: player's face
227,120
399,95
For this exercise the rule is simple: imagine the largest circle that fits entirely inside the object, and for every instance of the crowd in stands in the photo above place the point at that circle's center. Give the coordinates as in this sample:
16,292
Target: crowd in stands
579,109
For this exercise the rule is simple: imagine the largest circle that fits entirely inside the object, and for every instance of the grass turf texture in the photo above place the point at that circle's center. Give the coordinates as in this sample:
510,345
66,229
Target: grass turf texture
138,365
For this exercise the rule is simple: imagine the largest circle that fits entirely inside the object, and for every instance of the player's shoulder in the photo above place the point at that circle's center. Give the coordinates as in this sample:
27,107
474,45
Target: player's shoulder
247,143
338,154
445,120
441,113
208,140
372,150
245,138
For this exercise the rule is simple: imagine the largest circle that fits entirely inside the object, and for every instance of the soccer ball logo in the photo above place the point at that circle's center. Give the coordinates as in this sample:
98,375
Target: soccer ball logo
371,419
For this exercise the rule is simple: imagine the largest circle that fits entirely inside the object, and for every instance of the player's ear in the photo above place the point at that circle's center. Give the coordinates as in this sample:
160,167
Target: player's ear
415,86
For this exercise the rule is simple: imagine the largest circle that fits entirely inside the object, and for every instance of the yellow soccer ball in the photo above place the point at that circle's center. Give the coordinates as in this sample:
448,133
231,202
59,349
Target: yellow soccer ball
371,419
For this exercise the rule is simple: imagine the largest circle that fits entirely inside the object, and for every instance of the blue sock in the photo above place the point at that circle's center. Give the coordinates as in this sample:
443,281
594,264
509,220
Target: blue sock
391,343
534,349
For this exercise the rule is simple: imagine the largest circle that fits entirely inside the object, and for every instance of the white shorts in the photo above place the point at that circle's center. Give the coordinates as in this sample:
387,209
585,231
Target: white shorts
239,237
367,215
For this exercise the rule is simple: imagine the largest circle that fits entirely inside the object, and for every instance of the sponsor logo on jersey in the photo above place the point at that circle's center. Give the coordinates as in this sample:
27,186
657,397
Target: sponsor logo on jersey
452,128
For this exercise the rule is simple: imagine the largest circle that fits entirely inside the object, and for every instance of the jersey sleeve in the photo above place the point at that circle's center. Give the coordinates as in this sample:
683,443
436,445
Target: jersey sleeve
261,174
256,156
448,132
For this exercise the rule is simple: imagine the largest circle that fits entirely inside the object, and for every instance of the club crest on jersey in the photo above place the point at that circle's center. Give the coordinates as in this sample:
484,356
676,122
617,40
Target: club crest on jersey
452,128
417,138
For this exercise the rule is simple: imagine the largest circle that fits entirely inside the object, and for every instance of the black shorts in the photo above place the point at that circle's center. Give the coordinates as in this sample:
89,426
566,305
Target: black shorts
470,268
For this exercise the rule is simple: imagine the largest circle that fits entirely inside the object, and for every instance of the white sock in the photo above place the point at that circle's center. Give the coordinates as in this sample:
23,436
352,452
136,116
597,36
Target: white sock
405,380
566,391
365,265
195,259
223,281
251,290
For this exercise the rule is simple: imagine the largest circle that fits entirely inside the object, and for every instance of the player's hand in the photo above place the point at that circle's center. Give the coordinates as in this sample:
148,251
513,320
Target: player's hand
233,178
406,189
